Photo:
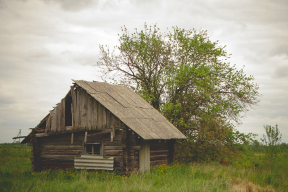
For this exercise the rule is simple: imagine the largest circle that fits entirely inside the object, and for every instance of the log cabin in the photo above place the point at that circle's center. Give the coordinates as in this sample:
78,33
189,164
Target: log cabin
102,127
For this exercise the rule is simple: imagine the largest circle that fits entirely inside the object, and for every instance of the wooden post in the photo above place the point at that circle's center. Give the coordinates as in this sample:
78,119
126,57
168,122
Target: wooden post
111,136
144,157
85,139
102,149
112,133
72,135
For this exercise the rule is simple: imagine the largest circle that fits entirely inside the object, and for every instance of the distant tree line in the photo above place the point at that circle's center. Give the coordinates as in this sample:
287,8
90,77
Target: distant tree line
257,146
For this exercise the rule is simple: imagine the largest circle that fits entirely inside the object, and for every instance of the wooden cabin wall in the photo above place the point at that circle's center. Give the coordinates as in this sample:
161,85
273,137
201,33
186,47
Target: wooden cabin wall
131,149
161,152
87,114
114,149
56,152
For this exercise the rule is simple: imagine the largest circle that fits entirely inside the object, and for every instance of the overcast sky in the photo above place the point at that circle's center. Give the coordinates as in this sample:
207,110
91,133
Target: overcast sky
46,43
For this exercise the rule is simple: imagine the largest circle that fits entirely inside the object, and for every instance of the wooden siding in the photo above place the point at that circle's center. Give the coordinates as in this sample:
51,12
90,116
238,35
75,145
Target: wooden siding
56,151
161,152
87,114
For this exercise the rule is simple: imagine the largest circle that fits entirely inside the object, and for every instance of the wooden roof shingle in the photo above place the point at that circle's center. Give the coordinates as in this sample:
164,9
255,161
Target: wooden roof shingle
132,110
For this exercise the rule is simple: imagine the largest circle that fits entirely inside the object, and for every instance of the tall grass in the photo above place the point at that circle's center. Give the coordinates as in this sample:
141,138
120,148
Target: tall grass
15,174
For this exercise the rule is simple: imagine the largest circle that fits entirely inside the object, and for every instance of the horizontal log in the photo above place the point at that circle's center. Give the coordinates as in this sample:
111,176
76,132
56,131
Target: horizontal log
57,167
159,151
65,147
136,147
41,135
47,163
75,153
104,131
153,148
112,148
158,162
113,152
64,157
116,158
114,143
75,142
156,153
158,157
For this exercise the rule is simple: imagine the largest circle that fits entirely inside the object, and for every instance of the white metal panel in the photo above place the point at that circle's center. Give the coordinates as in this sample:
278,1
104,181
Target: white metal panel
95,162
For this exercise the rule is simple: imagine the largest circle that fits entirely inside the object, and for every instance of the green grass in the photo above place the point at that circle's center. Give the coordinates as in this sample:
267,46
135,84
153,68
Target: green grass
15,174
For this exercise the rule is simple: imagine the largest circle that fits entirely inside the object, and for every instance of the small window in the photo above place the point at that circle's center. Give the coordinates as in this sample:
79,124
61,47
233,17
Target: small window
93,148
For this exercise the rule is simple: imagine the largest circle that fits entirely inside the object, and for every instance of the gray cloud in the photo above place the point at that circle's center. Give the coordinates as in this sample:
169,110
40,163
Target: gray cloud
71,5
281,71
4,100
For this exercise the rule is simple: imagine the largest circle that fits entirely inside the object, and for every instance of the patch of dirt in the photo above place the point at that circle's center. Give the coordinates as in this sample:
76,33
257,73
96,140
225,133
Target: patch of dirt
239,186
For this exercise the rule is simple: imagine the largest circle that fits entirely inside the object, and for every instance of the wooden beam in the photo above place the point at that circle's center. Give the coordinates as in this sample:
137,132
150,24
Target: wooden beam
41,134
72,137
85,139
101,132
19,137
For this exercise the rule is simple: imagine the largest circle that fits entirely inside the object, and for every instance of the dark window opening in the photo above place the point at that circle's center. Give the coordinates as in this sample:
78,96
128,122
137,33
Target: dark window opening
68,112
93,149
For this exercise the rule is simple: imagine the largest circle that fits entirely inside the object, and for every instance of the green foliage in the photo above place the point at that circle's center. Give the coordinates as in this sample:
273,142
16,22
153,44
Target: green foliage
186,76
272,140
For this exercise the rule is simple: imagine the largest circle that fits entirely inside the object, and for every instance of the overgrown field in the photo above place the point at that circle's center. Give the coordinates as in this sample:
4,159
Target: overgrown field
251,172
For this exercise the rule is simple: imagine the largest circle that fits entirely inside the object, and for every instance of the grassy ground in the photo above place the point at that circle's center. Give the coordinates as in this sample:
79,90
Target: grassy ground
246,174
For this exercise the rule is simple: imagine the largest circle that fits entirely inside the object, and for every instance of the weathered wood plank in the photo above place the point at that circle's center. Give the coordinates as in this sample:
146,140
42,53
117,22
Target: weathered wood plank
62,115
78,109
112,152
114,143
61,152
90,112
95,114
108,122
66,157
84,110
53,120
99,116
158,162
73,107
48,124
58,117
62,147
159,157
104,122
41,135
112,148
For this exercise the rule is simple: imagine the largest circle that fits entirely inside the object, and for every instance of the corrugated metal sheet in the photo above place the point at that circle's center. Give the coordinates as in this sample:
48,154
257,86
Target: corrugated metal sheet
132,110
95,162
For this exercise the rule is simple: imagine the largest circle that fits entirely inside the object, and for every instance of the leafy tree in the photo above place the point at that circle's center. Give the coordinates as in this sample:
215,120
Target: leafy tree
185,75
272,140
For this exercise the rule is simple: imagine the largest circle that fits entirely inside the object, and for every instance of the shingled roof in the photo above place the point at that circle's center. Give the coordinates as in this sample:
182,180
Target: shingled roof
132,110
